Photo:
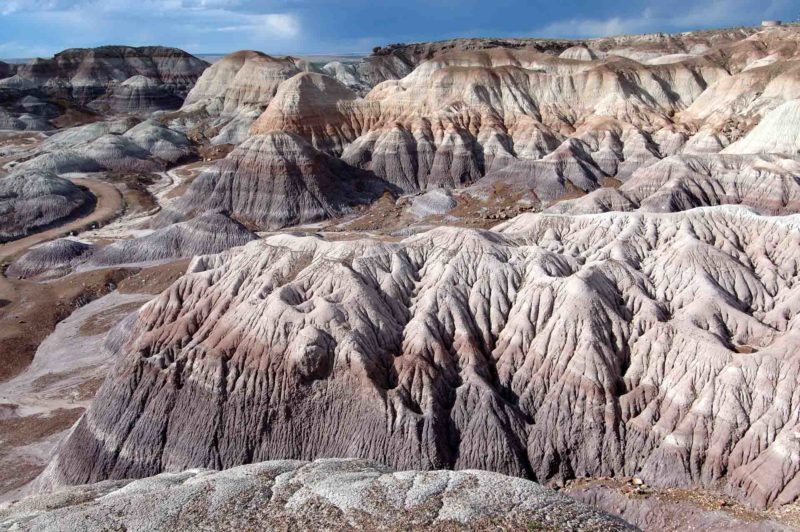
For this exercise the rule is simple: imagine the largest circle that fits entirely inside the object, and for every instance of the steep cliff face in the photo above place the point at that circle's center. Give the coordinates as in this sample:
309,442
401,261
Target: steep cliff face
553,348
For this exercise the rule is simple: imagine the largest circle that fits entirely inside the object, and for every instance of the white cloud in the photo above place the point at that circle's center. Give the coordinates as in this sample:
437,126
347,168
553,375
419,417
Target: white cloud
284,25
276,25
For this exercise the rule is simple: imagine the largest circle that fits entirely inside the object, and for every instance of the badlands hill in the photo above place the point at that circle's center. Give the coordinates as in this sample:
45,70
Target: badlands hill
35,193
554,348
277,180
396,61
34,200
108,79
642,321
233,92
665,116
86,73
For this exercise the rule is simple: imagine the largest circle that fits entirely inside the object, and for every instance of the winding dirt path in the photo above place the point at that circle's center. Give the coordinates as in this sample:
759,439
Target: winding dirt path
109,204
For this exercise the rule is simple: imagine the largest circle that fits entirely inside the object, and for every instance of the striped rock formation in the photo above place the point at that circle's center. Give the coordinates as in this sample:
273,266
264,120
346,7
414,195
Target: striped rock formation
555,347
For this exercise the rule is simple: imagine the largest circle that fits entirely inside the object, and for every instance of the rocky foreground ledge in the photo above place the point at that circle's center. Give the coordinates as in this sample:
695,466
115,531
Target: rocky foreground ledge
330,494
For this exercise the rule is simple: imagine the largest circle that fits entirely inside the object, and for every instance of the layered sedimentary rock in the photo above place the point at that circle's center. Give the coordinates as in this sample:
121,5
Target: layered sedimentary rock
398,60
25,112
234,91
138,95
316,107
210,233
278,179
549,120
6,70
116,79
51,257
766,183
160,142
777,132
35,199
34,195
662,345
85,74
546,119
121,145
22,122
327,494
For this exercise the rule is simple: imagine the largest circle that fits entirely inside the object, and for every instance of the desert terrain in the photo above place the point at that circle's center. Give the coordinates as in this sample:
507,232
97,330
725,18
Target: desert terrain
473,283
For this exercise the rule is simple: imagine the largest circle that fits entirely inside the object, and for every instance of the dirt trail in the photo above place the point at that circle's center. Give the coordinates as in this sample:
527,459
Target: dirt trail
23,324
109,205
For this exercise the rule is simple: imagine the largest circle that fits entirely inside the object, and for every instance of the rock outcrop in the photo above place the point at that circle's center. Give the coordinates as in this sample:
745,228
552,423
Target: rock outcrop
278,179
6,70
52,257
137,95
325,494
777,132
85,74
34,200
108,79
766,183
119,145
209,233
662,345
551,119
233,92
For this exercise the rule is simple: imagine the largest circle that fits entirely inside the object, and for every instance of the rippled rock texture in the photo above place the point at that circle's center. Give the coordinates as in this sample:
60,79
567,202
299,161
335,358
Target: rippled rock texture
555,347
327,494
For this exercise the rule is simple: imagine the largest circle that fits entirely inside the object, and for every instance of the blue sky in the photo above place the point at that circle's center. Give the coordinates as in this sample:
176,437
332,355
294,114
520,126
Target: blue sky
41,27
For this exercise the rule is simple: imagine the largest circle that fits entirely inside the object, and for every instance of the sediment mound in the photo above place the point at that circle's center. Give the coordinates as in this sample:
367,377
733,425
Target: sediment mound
325,494
553,120
159,141
777,132
78,83
138,95
50,257
765,183
34,200
277,179
117,145
85,74
209,233
662,345
233,92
